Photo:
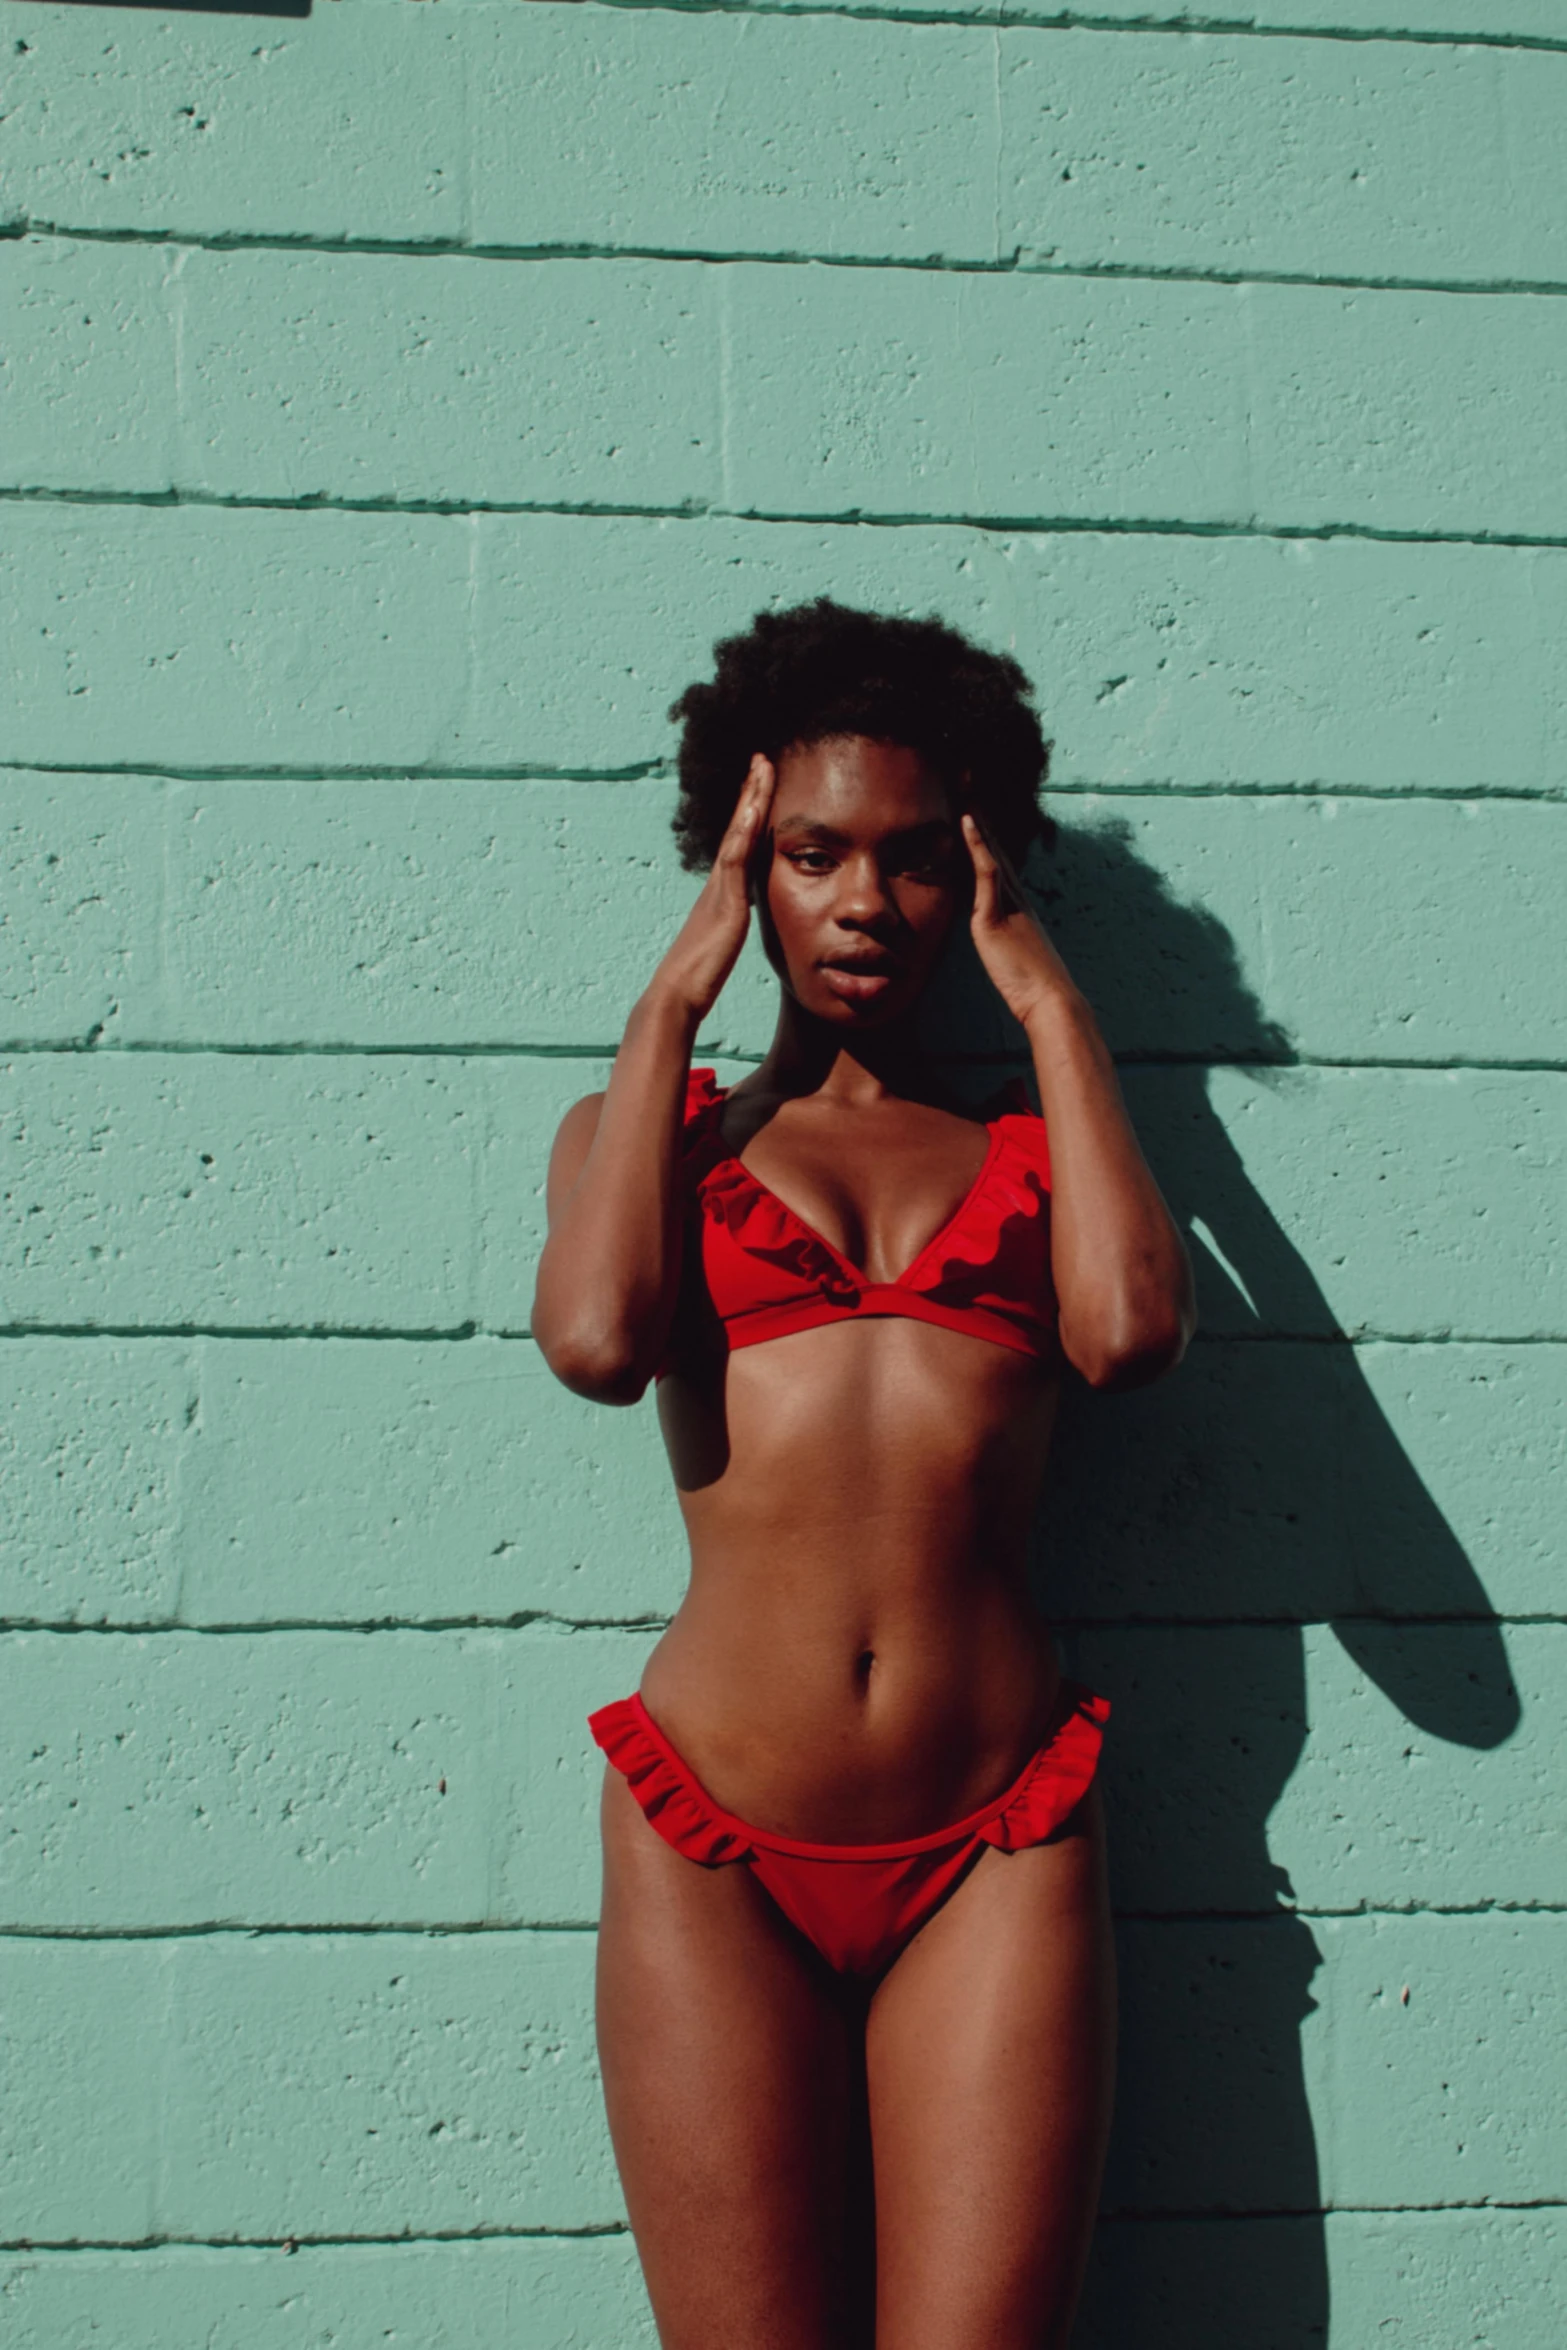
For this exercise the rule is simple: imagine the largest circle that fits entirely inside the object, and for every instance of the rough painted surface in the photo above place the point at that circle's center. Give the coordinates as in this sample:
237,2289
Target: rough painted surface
398,402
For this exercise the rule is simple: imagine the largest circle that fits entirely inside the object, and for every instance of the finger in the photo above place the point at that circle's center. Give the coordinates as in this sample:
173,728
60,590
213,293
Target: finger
750,808
1009,894
984,871
978,847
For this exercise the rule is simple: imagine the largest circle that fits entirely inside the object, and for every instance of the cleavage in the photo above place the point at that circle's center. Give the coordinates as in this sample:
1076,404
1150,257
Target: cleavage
883,1236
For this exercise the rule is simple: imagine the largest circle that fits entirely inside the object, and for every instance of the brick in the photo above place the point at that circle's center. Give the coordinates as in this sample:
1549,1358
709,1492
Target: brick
1374,1202
203,640
83,2026
1457,20
345,126
415,914
304,1779
171,1780
94,1439
407,378
425,914
561,2293
757,133
353,1481
1447,2279
1384,1766
1275,2067
313,1779
91,392
701,133
597,382
368,2084
81,943
1043,397
217,1190
207,641
1328,159
1184,661
1408,412
1296,1483
240,1481
349,1193
871,393
360,2084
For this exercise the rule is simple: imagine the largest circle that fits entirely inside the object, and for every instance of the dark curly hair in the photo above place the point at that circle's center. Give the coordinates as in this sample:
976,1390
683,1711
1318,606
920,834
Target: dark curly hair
823,669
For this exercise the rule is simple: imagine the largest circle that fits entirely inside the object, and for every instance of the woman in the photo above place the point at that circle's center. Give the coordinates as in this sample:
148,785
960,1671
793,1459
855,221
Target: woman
855,2001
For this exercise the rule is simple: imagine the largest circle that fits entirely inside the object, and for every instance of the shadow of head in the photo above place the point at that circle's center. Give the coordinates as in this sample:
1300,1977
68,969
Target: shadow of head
1163,974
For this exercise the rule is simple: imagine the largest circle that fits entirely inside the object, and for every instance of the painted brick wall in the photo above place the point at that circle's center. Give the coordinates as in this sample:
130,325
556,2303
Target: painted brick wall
399,399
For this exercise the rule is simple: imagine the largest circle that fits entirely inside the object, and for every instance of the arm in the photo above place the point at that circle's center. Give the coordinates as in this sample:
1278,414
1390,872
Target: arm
1122,1277
610,1272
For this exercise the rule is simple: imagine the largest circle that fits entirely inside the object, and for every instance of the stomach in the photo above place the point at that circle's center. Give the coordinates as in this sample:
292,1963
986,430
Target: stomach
857,1658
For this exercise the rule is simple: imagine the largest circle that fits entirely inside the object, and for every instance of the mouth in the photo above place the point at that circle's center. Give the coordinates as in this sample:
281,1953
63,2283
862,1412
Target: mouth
859,979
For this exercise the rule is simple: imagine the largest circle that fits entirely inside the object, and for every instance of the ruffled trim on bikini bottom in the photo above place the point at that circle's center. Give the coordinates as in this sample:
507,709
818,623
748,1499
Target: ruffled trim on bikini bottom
676,1803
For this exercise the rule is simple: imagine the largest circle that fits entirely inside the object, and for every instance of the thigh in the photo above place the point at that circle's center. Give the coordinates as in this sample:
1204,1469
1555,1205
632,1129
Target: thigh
990,2056
728,2062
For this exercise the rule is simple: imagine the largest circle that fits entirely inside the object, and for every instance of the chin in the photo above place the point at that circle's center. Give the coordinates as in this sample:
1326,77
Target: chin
833,1012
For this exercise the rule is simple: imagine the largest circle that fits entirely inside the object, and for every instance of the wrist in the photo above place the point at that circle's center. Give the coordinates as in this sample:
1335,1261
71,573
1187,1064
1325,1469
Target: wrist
670,1008
1058,1005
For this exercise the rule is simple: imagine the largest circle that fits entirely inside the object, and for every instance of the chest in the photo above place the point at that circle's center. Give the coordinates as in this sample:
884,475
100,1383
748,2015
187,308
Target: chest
877,1190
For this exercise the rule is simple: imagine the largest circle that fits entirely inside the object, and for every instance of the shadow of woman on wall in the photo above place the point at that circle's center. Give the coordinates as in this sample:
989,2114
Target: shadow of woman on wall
1193,1535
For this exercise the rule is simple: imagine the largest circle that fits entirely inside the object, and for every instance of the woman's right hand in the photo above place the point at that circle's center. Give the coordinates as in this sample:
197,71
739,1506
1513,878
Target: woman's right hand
695,968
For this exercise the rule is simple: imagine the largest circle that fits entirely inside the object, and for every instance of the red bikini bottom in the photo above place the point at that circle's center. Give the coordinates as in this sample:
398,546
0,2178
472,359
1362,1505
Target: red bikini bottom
859,1903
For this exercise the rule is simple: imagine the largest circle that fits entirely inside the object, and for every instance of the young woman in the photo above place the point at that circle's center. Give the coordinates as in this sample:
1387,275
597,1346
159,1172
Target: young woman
856,2007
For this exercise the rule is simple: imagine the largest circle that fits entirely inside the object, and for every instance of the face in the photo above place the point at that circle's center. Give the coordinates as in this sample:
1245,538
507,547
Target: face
867,867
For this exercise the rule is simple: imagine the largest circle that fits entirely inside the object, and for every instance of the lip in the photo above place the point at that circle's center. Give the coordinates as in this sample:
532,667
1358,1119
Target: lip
860,983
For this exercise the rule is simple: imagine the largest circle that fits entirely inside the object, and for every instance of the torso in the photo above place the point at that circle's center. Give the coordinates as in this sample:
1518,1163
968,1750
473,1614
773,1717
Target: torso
857,1658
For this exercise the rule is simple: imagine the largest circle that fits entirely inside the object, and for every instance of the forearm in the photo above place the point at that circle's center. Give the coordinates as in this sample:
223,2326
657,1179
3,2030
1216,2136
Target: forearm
1123,1280
610,1271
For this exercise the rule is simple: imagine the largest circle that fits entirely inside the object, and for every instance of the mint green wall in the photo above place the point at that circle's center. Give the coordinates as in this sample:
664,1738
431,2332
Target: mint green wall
398,401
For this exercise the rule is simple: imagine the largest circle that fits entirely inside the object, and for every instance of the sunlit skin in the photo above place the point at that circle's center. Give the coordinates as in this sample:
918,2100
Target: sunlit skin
857,1658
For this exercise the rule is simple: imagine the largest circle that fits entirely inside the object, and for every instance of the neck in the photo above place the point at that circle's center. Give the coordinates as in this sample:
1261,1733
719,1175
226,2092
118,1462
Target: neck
808,1055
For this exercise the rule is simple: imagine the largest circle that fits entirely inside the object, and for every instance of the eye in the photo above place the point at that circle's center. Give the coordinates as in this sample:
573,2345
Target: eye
927,865
810,860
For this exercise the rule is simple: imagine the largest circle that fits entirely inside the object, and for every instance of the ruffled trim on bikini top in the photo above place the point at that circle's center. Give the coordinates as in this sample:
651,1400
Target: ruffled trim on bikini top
961,1259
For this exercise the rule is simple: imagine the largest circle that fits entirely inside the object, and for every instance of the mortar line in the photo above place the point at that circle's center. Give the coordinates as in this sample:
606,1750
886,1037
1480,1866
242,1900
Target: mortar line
1013,526
464,1930
96,1044
660,771
1007,19
1019,261
461,1333
526,1620
1123,2216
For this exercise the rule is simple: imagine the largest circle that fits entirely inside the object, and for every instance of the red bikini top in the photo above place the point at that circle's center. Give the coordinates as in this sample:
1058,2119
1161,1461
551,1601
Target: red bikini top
767,1272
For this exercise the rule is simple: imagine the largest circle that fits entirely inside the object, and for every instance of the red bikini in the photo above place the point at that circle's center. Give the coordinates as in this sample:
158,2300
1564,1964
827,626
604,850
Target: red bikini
859,1903
766,1272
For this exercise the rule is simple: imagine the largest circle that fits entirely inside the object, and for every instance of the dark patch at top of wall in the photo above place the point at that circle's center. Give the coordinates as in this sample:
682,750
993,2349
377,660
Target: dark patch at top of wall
206,7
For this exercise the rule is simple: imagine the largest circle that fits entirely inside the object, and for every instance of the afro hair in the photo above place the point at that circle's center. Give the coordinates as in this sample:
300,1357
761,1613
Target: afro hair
824,669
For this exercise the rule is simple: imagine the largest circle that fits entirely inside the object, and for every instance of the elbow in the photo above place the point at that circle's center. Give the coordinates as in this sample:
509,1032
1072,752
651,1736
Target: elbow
605,1366
1131,1347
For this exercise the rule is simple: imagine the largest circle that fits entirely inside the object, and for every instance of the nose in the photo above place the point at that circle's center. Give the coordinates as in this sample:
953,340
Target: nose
863,901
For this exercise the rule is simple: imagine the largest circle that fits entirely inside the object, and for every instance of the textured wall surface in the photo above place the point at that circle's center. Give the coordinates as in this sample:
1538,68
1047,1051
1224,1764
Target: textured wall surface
398,399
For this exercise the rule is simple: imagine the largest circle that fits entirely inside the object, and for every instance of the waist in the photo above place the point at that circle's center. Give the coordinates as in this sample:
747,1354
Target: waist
845,1721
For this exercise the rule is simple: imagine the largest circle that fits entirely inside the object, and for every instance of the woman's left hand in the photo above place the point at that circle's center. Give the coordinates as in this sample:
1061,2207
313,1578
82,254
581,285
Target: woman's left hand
1023,966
